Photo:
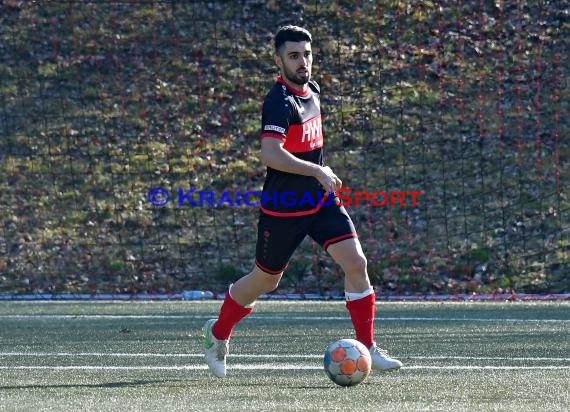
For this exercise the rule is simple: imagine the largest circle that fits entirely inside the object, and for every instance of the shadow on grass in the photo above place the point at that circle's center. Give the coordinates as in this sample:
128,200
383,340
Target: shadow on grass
91,385
250,384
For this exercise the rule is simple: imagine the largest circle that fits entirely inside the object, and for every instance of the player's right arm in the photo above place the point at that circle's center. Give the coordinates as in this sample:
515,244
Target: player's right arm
275,156
277,115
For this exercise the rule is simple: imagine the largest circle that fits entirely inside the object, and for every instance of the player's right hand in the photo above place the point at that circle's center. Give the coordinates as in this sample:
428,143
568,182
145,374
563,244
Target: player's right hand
328,180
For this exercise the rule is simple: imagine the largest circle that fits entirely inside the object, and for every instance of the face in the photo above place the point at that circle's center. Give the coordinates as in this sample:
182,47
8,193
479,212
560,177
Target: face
295,60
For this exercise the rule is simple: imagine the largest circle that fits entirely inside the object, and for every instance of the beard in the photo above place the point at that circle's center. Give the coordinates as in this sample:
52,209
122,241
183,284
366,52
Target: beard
301,77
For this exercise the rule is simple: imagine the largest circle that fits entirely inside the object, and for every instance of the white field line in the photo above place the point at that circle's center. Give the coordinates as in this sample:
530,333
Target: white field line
275,318
261,366
267,366
258,356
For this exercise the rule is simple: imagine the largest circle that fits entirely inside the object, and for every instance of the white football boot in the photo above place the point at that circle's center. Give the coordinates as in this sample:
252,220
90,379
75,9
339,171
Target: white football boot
381,361
215,350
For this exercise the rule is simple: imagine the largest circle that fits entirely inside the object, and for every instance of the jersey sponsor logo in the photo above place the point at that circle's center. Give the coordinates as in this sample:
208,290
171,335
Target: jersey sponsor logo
274,128
304,137
312,130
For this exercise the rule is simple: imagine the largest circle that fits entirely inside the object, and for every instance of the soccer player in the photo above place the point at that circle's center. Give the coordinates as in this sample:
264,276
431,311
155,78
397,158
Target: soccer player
298,200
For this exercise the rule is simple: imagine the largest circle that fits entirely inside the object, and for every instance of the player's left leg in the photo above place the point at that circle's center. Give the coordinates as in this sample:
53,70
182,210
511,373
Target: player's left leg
334,231
360,299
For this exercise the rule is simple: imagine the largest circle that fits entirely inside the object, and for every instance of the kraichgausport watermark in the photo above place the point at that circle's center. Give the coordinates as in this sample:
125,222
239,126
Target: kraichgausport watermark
159,197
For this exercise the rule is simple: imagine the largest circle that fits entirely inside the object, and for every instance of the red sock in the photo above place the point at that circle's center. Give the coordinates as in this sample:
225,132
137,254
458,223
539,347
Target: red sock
231,313
362,315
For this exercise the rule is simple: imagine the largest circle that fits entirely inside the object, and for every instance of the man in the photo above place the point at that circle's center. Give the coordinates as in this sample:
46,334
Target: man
298,200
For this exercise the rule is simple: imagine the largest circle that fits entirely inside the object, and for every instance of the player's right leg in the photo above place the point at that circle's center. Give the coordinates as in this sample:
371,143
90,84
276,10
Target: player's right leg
215,350
277,239
238,303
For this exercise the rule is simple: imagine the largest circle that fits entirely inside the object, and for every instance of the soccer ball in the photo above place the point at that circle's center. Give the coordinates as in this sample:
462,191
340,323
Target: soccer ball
347,362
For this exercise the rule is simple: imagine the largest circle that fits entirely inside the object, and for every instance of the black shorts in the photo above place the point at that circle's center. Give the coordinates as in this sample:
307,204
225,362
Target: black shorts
278,237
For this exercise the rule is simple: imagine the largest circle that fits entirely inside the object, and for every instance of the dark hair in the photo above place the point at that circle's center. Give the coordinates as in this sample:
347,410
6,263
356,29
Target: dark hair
291,33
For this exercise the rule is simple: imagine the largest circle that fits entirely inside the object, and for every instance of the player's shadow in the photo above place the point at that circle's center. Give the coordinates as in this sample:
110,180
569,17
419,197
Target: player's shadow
249,384
106,385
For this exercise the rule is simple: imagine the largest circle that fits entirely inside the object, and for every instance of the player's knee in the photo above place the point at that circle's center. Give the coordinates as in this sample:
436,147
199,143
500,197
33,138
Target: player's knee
356,264
271,282
269,285
267,281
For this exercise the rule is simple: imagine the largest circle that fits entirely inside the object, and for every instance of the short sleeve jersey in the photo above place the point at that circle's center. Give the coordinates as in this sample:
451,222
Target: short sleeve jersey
294,117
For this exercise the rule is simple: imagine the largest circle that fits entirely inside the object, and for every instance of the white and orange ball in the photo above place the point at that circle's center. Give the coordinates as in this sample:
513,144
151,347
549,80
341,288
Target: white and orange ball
347,362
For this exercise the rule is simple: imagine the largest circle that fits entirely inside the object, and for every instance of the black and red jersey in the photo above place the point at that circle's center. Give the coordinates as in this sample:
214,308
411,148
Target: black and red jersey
294,117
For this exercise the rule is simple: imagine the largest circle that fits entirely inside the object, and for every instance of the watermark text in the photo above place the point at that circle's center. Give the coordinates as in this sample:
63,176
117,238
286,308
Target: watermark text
159,197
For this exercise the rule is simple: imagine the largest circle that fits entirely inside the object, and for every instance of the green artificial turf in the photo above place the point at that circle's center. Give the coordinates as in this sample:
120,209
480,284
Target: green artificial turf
131,356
